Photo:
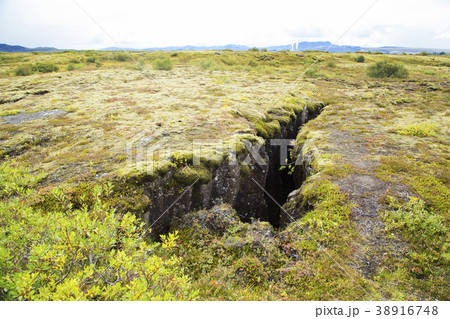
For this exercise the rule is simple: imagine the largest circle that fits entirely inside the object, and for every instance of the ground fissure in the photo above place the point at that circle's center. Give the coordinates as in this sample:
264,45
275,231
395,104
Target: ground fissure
256,192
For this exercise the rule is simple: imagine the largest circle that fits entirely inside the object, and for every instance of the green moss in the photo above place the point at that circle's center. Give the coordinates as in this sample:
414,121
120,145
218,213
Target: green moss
11,112
211,158
268,124
143,172
302,135
208,157
423,178
418,129
268,129
163,167
284,115
236,142
309,142
189,174
295,103
182,157
245,170
335,167
314,106
426,232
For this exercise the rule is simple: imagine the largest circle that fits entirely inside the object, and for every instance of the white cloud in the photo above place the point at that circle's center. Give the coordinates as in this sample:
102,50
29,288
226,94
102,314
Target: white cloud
445,36
140,24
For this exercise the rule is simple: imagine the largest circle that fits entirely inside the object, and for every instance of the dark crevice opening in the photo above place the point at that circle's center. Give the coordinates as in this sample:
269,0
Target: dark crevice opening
279,184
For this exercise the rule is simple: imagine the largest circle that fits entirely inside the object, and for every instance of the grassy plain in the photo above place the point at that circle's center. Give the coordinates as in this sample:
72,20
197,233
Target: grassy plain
377,204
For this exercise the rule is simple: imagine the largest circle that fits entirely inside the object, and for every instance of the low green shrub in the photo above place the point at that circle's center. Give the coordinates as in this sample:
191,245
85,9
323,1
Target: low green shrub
91,59
205,64
74,60
44,67
163,64
425,230
360,59
80,253
14,180
383,69
312,73
23,70
250,270
122,57
139,66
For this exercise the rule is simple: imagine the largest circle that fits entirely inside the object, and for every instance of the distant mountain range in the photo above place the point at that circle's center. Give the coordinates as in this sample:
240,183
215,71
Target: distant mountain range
19,48
296,47
301,46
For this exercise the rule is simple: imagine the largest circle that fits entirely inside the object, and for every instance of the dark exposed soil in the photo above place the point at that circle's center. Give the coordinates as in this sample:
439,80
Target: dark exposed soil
365,191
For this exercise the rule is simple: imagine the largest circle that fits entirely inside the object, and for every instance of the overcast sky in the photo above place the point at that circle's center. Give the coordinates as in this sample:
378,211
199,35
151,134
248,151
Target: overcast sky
141,24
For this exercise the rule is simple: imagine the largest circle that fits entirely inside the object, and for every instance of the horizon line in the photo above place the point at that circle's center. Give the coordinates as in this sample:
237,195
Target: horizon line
229,44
